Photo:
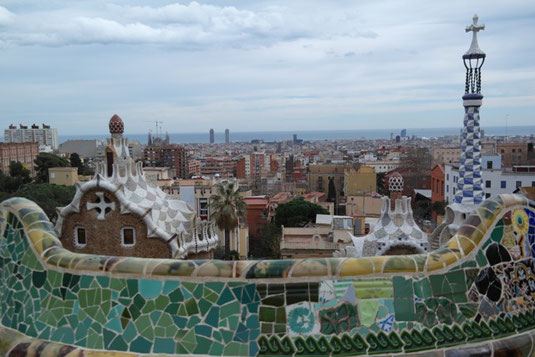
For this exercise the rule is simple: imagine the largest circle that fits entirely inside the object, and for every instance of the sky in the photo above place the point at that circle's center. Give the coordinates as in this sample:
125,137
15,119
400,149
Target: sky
260,65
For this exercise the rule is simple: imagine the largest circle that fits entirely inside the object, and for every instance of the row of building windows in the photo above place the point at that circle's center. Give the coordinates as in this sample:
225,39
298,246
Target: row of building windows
488,184
128,237
503,184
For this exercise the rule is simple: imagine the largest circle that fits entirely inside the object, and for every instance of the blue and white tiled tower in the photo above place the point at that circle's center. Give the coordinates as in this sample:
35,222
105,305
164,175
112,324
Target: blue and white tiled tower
469,193
469,190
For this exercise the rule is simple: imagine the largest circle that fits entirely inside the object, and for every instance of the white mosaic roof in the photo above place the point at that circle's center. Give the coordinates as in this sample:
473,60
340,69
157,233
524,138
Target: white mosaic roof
169,219
394,228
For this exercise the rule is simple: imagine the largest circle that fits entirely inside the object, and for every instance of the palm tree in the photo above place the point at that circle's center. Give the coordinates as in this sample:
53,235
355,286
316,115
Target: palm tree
227,206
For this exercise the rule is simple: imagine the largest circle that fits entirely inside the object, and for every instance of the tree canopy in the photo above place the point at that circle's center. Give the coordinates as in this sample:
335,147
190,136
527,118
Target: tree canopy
297,213
46,196
77,162
331,193
270,244
44,161
226,207
18,176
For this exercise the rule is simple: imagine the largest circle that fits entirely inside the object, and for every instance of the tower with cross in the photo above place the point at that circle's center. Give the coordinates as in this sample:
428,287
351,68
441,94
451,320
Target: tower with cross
469,191
469,186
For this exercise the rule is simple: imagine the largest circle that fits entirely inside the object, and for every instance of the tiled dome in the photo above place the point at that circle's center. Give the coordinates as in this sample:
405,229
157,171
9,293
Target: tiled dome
116,125
395,182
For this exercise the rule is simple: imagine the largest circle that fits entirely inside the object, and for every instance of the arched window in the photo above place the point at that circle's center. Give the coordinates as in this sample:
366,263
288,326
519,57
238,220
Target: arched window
128,237
80,238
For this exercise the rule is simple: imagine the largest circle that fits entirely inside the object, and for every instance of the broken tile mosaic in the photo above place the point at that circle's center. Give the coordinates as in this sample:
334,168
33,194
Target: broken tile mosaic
380,305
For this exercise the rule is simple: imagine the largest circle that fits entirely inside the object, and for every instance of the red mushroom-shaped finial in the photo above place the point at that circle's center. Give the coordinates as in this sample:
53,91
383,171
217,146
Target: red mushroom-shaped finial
116,125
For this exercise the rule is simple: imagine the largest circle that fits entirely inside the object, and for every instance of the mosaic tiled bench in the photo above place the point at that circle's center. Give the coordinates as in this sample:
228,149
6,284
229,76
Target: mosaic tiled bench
475,296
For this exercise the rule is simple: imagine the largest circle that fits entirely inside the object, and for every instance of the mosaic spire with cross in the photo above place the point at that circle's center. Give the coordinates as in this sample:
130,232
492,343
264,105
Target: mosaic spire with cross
469,185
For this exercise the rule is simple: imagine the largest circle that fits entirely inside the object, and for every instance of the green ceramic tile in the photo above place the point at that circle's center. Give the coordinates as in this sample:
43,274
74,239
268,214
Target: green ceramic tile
191,307
404,309
267,314
150,289
230,309
422,288
212,318
161,302
481,259
164,345
225,297
140,345
368,311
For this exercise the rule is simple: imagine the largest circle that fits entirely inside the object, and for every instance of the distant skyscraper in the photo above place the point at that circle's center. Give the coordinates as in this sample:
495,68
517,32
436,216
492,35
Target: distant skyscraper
403,133
227,136
212,136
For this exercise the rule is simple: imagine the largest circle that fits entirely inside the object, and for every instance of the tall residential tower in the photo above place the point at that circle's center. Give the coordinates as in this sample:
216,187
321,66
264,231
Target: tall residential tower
212,136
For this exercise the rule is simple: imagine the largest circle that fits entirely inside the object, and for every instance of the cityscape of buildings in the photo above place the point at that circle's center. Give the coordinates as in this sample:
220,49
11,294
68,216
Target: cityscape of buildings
347,177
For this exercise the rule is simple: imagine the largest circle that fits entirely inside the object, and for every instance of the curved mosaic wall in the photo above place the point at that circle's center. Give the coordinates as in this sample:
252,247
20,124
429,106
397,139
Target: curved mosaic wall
475,296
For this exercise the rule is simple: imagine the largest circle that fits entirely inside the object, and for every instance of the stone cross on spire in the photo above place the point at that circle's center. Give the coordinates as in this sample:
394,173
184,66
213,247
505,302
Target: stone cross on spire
475,28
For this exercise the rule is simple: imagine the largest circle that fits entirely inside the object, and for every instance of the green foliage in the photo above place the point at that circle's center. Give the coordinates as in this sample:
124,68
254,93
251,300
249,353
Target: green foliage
76,162
43,162
297,213
226,207
380,180
270,241
18,176
17,170
421,210
331,194
439,207
234,255
46,196
88,172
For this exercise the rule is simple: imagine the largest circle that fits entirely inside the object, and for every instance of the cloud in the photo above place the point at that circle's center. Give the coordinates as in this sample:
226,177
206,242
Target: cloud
174,25
6,17
266,64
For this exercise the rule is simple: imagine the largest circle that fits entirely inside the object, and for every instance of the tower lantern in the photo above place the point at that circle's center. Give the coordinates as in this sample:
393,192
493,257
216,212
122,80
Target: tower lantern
473,59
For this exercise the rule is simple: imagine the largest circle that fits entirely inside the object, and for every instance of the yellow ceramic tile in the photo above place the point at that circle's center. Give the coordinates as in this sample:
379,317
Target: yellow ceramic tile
356,266
91,263
453,245
450,257
215,268
42,240
466,244
434,262
487,217
399,264
379,263
310,267
128,265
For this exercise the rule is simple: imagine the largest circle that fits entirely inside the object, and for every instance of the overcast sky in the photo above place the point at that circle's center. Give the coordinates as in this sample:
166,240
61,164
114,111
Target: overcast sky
260,65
